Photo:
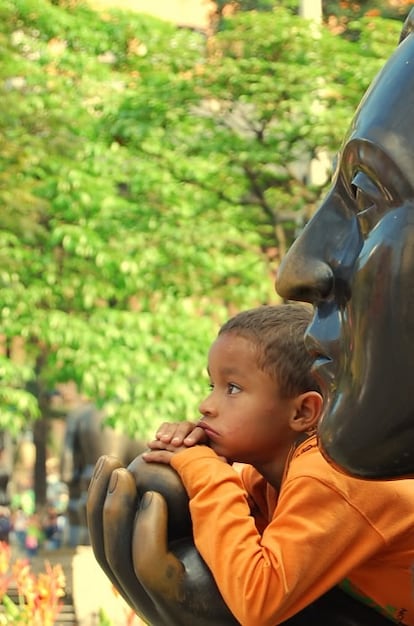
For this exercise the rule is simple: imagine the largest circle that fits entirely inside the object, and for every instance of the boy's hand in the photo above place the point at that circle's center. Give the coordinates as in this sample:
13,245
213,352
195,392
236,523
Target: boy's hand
161,452
173,437
178,434
163,455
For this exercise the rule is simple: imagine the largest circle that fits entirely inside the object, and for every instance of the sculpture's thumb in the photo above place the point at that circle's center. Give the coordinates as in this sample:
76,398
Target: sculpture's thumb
156,567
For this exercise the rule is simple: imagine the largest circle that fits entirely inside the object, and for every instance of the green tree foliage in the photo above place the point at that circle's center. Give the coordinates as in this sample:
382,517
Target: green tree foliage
348,9
149,179
112,273
242,127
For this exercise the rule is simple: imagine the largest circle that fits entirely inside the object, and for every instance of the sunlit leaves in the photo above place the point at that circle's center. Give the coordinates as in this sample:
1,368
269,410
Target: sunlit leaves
148,183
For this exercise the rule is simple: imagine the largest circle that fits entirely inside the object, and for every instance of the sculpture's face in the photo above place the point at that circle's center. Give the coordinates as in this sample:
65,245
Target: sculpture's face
355,262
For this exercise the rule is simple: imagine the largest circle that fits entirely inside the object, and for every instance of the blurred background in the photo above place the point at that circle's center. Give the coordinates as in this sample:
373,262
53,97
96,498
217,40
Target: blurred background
157,160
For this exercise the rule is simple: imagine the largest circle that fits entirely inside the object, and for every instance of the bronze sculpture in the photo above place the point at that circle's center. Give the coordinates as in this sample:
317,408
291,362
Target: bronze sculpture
353,263
86,439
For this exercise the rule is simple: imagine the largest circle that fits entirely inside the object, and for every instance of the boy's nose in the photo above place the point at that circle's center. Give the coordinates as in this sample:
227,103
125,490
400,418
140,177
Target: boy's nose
206,407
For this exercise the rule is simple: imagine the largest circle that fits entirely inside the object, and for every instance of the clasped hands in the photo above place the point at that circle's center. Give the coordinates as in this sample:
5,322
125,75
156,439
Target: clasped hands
140,531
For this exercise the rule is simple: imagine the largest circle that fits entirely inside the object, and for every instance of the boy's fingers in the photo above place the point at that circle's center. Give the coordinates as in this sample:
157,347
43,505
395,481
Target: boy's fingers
182,430
156,444
174,432
158,456
197,435
166,431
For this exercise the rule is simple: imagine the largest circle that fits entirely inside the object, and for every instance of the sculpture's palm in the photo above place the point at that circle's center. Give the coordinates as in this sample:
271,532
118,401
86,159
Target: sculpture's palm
164,580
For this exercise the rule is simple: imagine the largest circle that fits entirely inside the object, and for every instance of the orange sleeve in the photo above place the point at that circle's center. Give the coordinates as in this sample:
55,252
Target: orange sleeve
306,549
258,496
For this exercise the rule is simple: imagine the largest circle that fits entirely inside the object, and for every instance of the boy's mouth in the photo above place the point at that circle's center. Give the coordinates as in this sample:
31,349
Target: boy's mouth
207,429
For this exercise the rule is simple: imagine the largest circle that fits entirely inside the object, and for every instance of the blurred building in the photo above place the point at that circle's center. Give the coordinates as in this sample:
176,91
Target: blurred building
191,13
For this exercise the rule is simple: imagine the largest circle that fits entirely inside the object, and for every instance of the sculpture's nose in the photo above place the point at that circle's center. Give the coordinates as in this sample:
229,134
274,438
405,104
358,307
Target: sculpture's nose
303,277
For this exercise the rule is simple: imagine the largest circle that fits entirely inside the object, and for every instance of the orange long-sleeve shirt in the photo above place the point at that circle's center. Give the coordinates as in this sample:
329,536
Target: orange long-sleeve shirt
273,554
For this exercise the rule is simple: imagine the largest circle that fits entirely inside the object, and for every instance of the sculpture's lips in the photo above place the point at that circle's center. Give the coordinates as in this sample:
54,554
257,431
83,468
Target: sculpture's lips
324,372
321,359
323,366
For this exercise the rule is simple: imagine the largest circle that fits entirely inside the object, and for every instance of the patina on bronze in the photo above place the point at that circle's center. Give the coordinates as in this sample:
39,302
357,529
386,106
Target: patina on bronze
354,261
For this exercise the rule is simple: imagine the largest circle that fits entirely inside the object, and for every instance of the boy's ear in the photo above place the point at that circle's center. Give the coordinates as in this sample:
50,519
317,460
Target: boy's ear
308,411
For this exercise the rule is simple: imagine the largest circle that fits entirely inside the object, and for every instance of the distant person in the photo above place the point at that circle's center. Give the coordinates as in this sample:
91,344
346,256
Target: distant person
5,524
34,536
52,530
19,522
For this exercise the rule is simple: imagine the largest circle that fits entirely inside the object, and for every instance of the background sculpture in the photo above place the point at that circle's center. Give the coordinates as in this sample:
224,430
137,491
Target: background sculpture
86,439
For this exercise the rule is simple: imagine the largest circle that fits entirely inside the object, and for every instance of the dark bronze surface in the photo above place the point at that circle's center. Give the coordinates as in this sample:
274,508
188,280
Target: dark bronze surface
354,262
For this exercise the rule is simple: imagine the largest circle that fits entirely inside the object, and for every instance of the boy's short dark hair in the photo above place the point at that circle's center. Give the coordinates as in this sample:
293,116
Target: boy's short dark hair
278,332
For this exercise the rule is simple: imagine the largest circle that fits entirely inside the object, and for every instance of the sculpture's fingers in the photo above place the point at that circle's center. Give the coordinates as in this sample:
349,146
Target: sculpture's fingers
118,519
157,568
164,480
97,492
100,536
174,575
164,555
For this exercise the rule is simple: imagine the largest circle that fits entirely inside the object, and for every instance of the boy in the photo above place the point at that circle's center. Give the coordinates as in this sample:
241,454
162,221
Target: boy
290,527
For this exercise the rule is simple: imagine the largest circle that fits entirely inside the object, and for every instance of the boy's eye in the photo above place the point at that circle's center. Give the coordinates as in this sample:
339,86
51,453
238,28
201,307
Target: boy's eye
232,388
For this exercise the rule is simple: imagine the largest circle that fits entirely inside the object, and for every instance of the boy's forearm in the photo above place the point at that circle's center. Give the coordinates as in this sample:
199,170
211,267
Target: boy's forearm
264,578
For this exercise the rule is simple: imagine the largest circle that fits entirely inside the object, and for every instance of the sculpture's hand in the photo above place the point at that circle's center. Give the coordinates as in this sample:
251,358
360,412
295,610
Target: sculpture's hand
166,583
174,574
111,508
165,559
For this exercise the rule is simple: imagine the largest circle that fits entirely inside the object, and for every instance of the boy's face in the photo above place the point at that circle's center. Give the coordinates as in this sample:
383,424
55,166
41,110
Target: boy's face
355,263
244,416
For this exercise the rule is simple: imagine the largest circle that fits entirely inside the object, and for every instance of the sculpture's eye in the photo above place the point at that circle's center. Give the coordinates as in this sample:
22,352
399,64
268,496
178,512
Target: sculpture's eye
369,202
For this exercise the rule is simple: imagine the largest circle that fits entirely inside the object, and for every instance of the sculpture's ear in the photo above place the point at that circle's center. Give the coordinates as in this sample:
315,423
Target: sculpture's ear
408,26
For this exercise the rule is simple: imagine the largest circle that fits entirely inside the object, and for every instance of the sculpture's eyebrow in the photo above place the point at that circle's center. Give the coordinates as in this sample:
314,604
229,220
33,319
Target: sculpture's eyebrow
364,182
